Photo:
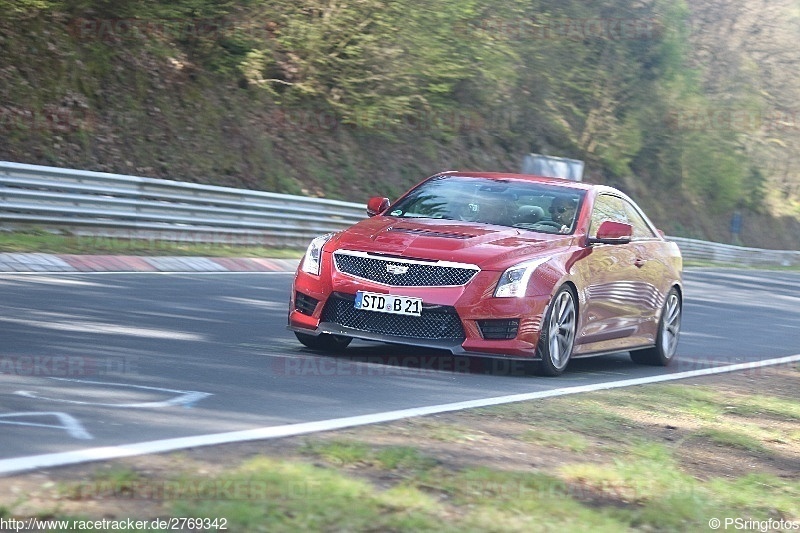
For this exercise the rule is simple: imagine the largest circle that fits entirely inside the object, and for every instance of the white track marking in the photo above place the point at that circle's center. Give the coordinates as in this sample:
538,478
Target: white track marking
68,423
186,398
114,452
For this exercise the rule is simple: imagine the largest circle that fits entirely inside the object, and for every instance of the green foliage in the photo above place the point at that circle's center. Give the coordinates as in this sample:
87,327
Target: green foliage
376,64
722,437
608,82
713,170
403,457
17,8
342,452
166,9
755,190
563,440
339,452
674,45
588,74
761,493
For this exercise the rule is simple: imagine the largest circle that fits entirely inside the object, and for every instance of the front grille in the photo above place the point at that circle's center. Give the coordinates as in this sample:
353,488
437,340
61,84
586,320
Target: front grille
305,303
436,322
499,329
417,274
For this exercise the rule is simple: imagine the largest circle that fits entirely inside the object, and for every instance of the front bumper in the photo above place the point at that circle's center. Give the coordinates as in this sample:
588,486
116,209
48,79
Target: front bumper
468,305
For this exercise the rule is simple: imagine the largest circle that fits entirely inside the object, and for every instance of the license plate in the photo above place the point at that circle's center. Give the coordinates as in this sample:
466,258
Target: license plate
387,303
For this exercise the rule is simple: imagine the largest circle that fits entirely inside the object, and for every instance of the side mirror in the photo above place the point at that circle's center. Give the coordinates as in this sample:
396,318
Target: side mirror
376,205
611,232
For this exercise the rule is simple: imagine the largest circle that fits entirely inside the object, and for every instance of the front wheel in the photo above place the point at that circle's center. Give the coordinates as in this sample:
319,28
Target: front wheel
669,328
558,333
324,341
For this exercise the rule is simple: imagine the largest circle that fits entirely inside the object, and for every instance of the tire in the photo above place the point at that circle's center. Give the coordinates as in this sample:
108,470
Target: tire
558,333
669,329
324,342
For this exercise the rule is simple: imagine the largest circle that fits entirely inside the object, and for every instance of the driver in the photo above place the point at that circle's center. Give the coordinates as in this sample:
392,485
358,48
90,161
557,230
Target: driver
562,211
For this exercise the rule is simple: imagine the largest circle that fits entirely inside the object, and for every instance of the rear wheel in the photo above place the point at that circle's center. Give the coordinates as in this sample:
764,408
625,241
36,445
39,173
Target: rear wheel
324,341
669,328
558,333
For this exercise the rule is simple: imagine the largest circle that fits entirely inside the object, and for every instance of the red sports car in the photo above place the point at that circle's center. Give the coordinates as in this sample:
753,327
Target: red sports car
499,265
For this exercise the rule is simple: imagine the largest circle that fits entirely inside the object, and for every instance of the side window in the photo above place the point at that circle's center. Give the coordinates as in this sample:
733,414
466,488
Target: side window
607,207
641,230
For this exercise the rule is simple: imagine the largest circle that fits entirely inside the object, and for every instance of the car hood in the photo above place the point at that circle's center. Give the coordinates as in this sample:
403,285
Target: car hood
487,246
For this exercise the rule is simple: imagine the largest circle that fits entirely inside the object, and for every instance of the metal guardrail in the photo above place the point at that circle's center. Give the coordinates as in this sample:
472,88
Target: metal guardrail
94,203
735,255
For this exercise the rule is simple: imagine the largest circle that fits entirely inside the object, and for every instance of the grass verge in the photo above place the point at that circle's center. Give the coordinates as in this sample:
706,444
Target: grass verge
697,263
36,241
666,457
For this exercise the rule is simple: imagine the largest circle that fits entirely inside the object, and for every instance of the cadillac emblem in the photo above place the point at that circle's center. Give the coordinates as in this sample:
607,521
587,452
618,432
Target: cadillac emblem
397,270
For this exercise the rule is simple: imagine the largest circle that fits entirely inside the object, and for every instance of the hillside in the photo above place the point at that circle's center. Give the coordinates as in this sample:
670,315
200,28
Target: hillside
689,110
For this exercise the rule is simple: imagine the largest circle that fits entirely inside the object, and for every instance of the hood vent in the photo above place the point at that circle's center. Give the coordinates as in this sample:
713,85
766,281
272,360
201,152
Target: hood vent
431,233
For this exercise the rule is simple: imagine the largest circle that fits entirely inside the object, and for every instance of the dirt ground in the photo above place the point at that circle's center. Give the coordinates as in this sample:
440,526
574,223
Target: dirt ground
483,438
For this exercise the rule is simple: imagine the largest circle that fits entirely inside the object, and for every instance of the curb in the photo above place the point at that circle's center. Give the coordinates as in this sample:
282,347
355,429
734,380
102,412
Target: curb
50,263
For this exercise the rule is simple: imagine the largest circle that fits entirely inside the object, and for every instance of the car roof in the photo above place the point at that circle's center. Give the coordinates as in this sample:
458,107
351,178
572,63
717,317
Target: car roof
532,178
525,177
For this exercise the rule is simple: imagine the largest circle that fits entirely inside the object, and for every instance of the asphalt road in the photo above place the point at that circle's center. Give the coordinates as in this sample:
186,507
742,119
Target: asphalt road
89,360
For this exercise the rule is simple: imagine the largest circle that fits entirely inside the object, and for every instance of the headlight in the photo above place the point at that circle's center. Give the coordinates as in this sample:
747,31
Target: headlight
313,257
514,281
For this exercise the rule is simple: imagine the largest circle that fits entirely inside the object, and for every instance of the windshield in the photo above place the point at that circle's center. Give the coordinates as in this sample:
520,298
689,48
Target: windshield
518,204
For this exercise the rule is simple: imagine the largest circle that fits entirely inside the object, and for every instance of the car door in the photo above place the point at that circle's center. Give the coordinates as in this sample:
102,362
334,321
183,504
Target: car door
647,247
612,310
